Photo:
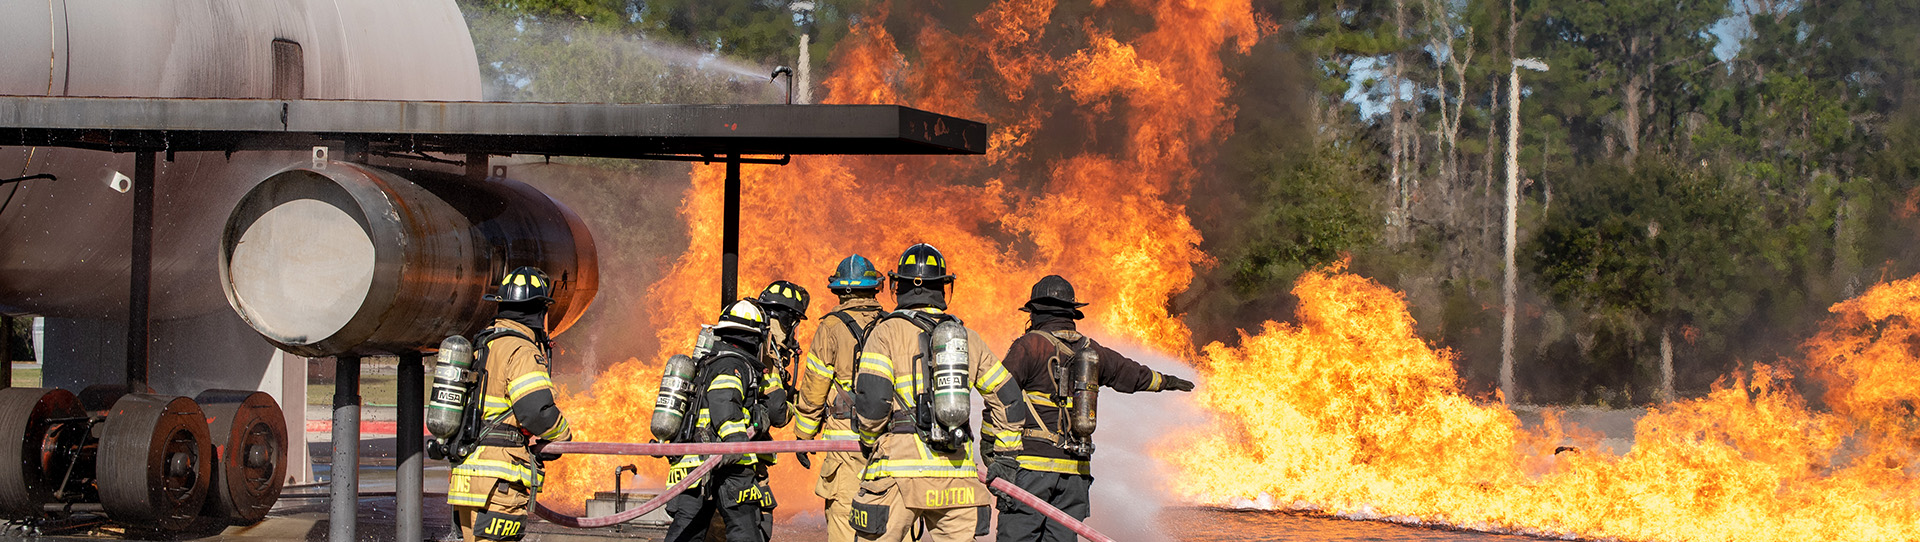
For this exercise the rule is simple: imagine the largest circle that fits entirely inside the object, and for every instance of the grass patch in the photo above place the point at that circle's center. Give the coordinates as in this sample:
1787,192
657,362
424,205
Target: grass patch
26,378
375,390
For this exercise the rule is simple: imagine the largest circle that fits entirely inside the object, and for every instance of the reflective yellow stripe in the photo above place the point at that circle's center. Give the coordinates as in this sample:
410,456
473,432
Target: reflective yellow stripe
496,469
528,383
921,468
558,430
905,389
818,367
808,426
1009,439
1040,399
494,406
723,382
1062,466
732,428
772,382
840,434
1155,385
992,379
466,499
870,361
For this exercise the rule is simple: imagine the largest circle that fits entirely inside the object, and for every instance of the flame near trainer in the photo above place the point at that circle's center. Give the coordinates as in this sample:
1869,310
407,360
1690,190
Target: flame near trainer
1106,214
1099,131
1349,413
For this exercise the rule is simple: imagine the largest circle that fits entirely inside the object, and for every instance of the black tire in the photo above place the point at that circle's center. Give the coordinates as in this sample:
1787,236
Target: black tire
154,464
250,448
26,480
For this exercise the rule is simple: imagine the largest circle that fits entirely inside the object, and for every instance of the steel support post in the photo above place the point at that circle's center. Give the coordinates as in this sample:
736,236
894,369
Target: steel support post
344,492
140,283
408,445
730,236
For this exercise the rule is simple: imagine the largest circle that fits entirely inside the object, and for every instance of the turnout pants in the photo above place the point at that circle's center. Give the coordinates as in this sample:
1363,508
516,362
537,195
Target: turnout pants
881,504
504,517
1068,492
736,493
839,483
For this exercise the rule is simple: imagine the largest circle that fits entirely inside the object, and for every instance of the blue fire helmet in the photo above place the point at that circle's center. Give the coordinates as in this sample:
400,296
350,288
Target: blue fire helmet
854,273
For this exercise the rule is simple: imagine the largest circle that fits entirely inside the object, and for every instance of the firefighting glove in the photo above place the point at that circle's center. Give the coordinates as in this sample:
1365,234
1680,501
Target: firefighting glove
1173,383
1002,467
541,453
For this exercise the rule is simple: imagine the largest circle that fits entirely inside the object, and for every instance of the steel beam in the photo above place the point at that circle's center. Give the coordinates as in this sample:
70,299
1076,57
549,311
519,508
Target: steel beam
345,489
408,445
730,236
603,130
140,282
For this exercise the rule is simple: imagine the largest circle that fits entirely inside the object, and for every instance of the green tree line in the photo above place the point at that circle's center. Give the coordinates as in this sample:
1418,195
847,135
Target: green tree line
1680,207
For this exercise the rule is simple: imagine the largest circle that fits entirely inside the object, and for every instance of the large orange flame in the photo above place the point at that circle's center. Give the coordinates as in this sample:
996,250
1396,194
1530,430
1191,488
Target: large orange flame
1049,198
1348,412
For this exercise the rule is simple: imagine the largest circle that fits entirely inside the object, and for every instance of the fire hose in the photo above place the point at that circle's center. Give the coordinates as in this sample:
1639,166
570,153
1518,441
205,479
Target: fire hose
717,449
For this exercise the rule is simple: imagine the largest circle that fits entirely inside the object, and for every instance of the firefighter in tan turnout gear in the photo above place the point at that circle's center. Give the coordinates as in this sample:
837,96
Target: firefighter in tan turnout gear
1062,371
492,486
825,402
917,371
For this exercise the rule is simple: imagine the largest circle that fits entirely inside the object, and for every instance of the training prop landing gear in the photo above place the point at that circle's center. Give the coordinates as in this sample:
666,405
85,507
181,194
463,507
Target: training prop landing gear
145,462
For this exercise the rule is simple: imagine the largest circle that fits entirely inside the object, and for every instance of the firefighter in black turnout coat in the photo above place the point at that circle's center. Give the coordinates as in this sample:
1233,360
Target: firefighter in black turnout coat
1054,464
732,385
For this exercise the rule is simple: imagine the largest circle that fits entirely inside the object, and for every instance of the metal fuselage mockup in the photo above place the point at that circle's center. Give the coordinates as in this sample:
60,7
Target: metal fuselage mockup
325,260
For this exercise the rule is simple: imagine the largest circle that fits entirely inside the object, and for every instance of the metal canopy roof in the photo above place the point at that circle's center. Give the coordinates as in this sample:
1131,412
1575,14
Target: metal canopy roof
599,130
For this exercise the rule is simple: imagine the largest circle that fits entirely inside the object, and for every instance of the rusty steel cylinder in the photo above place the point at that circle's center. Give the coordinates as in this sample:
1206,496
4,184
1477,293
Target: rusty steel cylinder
339,258
676,395
1084,377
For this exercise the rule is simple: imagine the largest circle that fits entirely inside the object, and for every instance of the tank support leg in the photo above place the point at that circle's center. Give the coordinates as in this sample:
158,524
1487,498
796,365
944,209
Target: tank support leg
140,283
730,235
344,493
408,444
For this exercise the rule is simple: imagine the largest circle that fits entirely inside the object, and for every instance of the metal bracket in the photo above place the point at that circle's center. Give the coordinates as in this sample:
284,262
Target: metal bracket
319,158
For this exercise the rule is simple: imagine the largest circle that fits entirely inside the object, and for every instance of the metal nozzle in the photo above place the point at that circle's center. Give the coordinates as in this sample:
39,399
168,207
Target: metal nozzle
783,70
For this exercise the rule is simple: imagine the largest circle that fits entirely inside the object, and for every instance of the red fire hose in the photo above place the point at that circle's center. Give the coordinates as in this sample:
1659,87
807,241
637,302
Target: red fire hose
755,447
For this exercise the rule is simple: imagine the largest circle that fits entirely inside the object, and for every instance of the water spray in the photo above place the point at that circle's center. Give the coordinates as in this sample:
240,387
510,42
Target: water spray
783,70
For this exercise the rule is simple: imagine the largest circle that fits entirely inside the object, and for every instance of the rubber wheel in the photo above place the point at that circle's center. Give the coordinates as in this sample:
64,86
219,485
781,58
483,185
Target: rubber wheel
250,449
155,461
26,480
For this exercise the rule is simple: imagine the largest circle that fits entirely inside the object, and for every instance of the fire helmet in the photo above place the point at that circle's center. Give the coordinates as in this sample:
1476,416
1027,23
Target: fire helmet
854,273
744,319
1052,290
787,296
920,264
525,283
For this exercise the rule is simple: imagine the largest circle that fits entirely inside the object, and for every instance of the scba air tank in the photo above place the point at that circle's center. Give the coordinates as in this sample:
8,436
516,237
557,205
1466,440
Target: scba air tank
949,394
703,344
1084,377
452,378
676,394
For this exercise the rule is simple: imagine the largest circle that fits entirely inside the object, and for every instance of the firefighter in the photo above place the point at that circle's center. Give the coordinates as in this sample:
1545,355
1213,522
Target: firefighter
920,468
825,401
491,487
1053,465
732,383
